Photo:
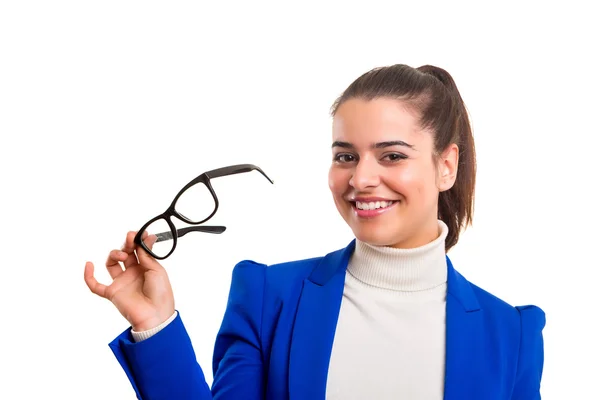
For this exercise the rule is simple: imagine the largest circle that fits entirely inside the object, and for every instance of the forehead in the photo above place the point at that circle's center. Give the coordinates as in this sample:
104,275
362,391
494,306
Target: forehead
365,122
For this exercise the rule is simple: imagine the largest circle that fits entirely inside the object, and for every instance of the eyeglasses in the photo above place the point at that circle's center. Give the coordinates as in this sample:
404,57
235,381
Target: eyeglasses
198,201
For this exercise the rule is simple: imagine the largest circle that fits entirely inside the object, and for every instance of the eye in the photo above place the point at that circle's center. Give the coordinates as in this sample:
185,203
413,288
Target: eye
393,157
344,158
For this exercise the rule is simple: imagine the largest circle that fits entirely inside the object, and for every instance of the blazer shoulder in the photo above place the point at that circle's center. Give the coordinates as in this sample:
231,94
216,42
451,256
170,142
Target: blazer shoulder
505,311
532,317
287,275
280,275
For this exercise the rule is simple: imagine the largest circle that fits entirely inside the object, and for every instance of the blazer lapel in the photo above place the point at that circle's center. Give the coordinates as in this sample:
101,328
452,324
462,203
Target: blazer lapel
464,333
314,326
316,319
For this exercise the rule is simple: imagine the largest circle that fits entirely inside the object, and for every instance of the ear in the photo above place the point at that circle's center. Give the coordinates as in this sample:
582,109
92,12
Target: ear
447,167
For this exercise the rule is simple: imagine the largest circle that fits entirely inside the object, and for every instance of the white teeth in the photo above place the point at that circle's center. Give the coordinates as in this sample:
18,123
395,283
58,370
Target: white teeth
373,205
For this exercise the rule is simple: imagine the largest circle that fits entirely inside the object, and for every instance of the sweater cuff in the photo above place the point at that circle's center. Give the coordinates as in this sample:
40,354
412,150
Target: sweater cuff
143,335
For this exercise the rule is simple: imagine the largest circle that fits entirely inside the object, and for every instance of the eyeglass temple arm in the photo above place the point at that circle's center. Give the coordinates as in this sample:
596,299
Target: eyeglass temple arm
235,169
162,236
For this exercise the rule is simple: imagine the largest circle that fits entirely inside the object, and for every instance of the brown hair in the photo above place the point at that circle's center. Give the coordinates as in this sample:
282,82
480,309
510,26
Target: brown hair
430,91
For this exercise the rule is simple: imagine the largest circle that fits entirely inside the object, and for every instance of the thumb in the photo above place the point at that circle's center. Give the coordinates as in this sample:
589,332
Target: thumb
146,260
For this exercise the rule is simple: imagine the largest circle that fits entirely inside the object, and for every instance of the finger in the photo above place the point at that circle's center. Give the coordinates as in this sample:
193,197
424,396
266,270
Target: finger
149,241
129,244
91,282
129,248
113,266
146,260
131,260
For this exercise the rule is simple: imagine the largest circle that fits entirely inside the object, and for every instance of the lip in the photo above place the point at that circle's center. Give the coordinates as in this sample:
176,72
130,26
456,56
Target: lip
368,199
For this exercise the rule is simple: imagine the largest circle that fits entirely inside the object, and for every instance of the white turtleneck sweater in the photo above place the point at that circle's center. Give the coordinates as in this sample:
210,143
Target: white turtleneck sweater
390,337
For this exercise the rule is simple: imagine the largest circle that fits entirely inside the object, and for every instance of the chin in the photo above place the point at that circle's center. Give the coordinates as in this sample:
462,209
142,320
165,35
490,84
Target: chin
374,238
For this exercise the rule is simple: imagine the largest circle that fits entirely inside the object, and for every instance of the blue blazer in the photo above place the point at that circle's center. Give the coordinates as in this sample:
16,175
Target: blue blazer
277,333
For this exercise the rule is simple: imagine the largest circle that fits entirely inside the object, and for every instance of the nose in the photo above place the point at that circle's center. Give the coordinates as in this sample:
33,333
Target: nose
365,176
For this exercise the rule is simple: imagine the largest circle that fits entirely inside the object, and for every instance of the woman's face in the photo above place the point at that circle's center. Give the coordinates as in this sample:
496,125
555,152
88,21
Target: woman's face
384,179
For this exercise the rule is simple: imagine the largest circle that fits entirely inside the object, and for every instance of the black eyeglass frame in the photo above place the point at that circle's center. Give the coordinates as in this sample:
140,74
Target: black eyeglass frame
172,212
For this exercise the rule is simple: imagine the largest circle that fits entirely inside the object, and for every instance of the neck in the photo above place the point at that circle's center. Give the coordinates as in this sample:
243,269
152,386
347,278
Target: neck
404,270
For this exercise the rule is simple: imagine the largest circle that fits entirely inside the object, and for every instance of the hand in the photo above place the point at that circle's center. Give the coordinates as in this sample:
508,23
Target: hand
141,291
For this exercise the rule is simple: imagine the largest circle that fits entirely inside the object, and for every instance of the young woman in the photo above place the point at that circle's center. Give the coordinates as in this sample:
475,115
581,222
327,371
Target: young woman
387,317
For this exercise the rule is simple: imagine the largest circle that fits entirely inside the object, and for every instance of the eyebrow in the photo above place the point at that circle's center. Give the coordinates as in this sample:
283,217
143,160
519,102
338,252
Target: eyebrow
379,145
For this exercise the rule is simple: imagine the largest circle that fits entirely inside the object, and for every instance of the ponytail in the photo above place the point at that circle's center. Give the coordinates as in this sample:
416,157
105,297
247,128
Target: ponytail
456,205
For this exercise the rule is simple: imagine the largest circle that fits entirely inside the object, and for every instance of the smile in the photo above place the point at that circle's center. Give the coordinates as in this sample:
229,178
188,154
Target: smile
373,205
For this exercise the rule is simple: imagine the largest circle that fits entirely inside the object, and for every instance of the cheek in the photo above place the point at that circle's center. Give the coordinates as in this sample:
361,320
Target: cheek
338,181
415,181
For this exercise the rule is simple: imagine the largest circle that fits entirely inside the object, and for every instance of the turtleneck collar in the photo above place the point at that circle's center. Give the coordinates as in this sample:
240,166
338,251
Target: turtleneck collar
404,270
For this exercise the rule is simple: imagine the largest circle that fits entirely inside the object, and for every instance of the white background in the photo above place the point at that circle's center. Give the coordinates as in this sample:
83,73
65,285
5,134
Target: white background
108,108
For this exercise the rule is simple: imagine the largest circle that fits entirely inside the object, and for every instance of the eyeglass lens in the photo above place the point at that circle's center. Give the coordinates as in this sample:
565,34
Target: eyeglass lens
196,203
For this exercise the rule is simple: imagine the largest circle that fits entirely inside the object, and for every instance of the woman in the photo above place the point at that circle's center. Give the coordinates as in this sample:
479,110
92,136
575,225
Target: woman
386,317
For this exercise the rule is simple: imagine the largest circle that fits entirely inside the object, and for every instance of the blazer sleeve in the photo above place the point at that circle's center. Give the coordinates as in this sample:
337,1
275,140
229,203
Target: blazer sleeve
238,359
164,366
531,354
